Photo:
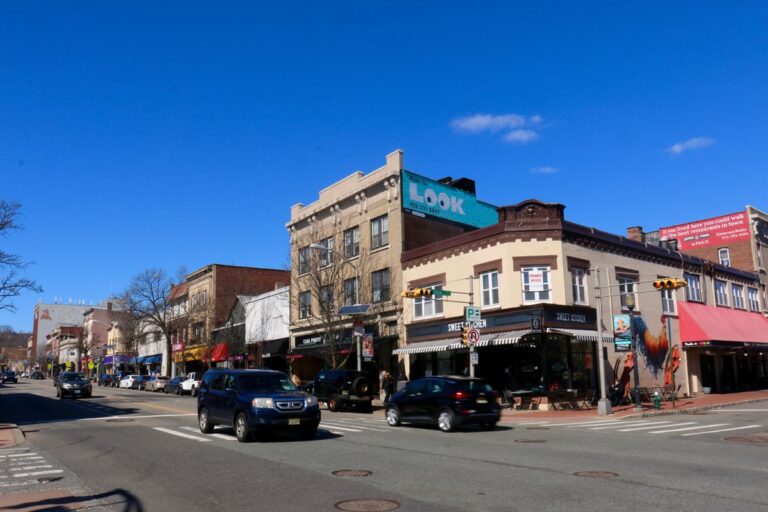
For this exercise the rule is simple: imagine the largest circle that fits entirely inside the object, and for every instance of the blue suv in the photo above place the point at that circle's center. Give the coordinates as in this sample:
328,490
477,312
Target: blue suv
255,401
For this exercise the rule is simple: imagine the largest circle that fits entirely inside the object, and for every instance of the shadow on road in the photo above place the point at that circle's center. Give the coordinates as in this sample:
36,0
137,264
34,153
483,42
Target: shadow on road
114,499
28,408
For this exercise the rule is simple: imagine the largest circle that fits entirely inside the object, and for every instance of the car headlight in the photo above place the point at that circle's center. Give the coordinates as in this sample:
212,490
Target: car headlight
67,386
311,401
262,403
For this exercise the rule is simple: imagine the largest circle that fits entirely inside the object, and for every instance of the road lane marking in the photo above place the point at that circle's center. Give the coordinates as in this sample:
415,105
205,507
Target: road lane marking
647,427
355,425
673,425
722,430
142,417
36,473
214,434
740,410
589,424
27,468
181,434
690,428
336,427
628,424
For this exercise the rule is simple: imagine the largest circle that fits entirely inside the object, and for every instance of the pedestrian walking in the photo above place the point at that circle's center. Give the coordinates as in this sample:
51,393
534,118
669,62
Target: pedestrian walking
389,387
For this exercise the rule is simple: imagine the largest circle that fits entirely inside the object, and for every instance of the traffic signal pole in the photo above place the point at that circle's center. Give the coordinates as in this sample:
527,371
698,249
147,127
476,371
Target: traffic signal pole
471,303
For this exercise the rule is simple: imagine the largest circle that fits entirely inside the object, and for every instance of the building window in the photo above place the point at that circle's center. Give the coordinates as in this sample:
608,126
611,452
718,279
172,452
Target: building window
627,286
579,285
489,285
725,256
535,284
326,301
305,304
326,253
693,290
424,307
380,286
721,293
351,289
379,232
738,296
754,303
304,260
352,242
668,305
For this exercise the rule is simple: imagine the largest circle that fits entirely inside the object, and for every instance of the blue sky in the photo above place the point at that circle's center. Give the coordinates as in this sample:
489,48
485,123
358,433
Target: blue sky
142,134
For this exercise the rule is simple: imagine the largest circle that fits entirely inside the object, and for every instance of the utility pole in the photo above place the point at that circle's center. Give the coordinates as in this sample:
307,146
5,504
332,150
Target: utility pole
603,404
472,353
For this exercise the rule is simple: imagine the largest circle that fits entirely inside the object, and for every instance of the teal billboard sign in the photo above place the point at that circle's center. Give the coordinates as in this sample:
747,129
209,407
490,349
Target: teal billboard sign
425,197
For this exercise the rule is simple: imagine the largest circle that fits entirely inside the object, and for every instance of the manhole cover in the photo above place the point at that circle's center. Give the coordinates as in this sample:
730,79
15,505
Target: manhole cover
119,420
748,440
530,441
537,428
351,472
367,505
596,474
52,479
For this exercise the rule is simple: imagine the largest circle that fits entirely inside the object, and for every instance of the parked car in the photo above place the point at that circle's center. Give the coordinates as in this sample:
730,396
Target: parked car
37,376
24,375
155,383
446,401
75,384
174,385
10,376
118,376
139,382
340,388
104,379
127,381
255,401
192,384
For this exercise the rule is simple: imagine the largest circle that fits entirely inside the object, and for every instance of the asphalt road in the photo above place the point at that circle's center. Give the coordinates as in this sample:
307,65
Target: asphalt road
144,451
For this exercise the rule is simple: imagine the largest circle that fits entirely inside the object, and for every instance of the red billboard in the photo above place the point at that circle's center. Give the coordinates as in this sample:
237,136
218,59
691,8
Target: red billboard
703,233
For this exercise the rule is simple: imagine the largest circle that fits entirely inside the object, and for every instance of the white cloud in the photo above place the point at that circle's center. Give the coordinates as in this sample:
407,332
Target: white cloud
694,143
519,129
520,136
545,170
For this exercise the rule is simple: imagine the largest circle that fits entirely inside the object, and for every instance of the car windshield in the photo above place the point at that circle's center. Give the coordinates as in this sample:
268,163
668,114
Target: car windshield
265,383
73,376
475,386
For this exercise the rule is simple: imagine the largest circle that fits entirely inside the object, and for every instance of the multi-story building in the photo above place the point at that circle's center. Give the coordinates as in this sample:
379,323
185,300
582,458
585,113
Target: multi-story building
345,251
212,292
47,318
534,275
63,346
96,325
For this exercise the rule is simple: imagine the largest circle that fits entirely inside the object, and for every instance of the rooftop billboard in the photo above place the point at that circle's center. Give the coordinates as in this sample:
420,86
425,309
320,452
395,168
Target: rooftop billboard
710,232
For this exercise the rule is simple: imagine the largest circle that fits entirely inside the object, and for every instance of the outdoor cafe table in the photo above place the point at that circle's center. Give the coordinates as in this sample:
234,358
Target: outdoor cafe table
524,395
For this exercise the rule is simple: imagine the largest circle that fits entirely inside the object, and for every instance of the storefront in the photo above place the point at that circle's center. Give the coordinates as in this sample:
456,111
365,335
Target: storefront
557,353
189,359
114,363
726,349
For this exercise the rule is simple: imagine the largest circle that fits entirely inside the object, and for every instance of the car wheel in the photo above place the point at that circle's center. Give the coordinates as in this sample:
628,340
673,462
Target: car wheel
58,393
445,420
242,432
489,425
333,404
393,416
206,427
360,386
178,391
193,392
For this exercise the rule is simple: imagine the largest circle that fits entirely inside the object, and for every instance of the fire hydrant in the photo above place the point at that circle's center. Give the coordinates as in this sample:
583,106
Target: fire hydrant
656,400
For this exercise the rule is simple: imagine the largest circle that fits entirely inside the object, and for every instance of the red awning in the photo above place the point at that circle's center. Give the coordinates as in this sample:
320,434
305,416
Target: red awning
707,323
219,352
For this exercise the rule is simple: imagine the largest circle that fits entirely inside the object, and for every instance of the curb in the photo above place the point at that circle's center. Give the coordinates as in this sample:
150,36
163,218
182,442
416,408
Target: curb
16,433
693,410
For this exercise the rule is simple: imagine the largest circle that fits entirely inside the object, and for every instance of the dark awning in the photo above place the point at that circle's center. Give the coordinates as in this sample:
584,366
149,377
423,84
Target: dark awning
275,348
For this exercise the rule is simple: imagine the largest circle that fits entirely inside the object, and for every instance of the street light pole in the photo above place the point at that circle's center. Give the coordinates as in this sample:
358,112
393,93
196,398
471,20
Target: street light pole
603,404
630,303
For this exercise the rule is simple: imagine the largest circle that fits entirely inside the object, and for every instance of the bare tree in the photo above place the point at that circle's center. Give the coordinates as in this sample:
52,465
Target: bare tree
85,345
11,283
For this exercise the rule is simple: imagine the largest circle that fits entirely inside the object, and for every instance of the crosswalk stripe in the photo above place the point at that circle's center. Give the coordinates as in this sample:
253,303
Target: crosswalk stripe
586,423
181,434
355,425
689,428
649,426
27,468
216,435
722,430
36,473
339,428
673,425
629,424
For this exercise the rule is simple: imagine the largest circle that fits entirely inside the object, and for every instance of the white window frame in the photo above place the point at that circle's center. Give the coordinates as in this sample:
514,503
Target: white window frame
627,285
724,255
305,307
489,289
352,242
721,292
428,307
327,252
579,286
693,290
738,296
752,299
385,285
543,296
668,302
304,260
380,239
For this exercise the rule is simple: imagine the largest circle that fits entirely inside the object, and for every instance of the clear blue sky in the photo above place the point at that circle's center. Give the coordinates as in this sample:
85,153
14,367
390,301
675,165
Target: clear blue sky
142,134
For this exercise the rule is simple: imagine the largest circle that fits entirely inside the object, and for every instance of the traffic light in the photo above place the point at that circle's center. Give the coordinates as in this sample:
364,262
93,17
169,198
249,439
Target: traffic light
669,283
415,293
465,335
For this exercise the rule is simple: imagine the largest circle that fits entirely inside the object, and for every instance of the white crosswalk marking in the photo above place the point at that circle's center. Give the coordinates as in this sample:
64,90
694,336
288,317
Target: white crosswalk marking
37,473
336,427
648,426
688,428
181,434
216,435
673,425
628,424
355,425
722,430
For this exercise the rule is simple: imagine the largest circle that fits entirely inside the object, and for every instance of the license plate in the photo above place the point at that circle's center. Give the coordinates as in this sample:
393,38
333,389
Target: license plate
482,400
77,391
294,421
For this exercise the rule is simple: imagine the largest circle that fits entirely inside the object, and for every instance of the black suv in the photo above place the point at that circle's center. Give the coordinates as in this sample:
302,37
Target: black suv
75,384
445,401
339,388
255,401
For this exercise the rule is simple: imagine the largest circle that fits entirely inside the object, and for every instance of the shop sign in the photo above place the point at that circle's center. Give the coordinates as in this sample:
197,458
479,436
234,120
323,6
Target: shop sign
367,346
177,347
457,326
622,341
310,340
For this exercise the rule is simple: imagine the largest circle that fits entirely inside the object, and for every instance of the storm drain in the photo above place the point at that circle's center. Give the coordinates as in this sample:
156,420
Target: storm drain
351,472
596,474
367,505
530,441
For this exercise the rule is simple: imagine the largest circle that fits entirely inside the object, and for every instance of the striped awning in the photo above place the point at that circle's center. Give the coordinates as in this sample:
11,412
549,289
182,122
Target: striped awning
582,334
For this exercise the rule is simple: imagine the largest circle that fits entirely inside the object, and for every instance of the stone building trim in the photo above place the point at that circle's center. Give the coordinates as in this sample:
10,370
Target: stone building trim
531,261
481,268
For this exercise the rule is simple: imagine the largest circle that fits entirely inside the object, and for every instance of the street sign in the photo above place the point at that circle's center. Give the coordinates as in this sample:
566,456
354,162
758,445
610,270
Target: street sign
91,365
473,336
471,314
473,358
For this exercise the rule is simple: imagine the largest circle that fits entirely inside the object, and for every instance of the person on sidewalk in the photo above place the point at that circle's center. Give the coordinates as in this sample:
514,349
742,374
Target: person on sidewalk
388,383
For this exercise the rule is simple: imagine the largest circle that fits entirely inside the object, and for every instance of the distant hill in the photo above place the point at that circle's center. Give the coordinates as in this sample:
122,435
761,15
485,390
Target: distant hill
10,338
